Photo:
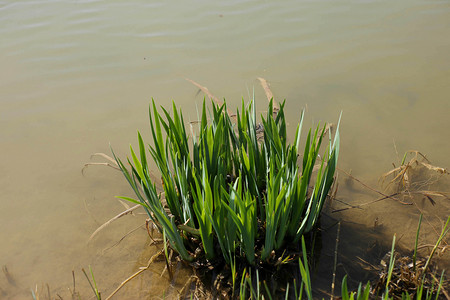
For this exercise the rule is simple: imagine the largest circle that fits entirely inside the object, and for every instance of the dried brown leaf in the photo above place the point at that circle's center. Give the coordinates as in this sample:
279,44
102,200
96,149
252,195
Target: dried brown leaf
205,91
107,157
124,204
112,163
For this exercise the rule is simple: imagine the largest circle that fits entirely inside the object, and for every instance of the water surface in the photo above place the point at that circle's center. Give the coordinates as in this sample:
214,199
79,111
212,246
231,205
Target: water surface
77,76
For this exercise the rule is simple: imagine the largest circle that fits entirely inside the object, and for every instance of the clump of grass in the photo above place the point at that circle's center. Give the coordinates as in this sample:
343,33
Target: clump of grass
409,277
236,192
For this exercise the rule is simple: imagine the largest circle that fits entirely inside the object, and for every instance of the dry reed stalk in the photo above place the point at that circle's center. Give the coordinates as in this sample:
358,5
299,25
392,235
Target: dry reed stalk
205,90
370,202
142,269
73,292
112,163
128,211
264,84
385,196
365,185
269,94
434,168
123,237
335,260
184,289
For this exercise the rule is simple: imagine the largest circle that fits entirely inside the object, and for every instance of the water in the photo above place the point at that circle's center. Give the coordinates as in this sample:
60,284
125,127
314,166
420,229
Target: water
77,76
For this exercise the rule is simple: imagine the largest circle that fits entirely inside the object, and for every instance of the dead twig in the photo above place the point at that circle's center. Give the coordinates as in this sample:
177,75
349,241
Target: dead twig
210,95
269,94
335,260
434,168
119,241
128,211
205,91
112,163
186,286
368,187
443,248
142,269
370,202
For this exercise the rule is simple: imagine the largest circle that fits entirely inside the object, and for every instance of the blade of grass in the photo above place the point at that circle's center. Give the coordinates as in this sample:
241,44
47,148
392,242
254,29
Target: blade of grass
93,286
443,234
391,268
416,243
304,271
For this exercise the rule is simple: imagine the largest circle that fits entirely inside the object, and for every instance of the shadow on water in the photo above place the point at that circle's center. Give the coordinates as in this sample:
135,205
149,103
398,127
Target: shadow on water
369,221
357,254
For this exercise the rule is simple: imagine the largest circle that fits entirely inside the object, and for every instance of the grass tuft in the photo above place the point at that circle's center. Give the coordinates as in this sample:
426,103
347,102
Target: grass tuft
237,189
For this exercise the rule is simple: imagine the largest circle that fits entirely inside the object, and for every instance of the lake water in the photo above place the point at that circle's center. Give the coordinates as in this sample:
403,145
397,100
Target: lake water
77,76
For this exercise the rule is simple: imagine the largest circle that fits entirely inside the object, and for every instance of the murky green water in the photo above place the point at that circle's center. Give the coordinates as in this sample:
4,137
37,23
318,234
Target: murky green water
78,75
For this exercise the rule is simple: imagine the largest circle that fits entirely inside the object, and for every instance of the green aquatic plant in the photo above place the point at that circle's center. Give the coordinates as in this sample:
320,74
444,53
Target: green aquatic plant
408,278
93,284
238,189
